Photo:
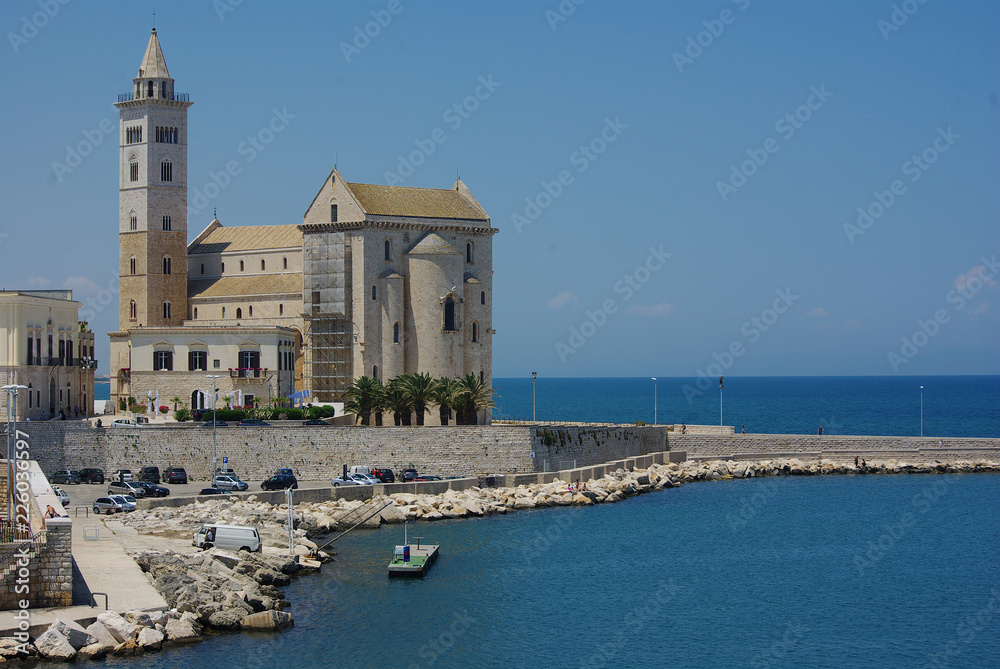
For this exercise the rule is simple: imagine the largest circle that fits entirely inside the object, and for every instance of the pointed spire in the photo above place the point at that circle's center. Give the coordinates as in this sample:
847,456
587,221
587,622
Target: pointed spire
153,65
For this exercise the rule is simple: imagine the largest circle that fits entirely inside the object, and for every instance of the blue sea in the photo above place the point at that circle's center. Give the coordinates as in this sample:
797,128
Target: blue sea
867,572
953,406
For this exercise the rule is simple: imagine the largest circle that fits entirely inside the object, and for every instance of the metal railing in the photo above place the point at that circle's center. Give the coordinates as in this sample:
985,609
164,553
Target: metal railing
175,97
247,372
11,531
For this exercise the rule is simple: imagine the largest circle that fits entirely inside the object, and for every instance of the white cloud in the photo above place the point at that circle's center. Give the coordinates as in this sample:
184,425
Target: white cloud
562,299
661,309
819,312
80,283
36,281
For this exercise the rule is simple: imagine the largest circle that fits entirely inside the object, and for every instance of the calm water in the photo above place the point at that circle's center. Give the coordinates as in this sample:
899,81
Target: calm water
957,406
879,572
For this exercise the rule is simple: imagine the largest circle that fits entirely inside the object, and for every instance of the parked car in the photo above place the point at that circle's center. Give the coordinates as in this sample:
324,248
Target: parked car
127,502
216,423
280,482
253,422
409,475
350,479
232,537
91,475
126,488
384,475
108,505
229,483
176,475
122,475
65,476
428,477
319,422
153,490
368,479
151,474
62,495
124,422
284,471
213,491
227,471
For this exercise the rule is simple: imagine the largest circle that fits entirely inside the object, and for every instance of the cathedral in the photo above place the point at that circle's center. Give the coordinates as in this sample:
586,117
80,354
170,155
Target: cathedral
376,280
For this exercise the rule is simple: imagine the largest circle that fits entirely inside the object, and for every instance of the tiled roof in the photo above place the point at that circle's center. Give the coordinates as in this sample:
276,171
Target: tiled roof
249,238
433,244
153,65
416,202
240,286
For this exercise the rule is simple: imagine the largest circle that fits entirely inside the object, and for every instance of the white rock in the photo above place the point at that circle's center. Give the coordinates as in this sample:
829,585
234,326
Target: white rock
73,632
150,638
103,636
54,646
120,629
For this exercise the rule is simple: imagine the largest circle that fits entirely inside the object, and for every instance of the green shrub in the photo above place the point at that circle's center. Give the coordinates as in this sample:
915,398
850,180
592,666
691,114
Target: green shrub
182,415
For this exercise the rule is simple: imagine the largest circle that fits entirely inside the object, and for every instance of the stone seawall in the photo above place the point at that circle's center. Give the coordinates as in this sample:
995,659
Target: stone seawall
836,448
319,452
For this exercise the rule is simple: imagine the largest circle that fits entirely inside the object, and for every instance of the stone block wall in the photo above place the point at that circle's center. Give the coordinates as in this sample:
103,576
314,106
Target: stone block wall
836,447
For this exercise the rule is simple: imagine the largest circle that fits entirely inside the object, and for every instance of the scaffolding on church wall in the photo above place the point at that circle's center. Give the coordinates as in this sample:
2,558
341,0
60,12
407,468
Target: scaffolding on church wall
329,330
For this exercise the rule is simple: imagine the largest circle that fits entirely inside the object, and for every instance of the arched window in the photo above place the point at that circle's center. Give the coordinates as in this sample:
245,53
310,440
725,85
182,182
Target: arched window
166,310
196,312
133,169
482,297
261,264
449,314
166,265
395,333
166,221
223,270
241,265
30,397
284,263
375,372
250,311
131,265
374,293
239,313
281,310
468,252
131,309
388,250
482,376
203,268
475,331
166,171
149,90
223,312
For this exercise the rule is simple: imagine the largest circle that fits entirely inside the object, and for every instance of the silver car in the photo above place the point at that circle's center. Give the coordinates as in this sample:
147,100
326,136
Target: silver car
61,494
350,479
127,502
229,483
109,505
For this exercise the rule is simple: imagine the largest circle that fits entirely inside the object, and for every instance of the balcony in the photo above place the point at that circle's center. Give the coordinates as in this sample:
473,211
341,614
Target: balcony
176,97
248,372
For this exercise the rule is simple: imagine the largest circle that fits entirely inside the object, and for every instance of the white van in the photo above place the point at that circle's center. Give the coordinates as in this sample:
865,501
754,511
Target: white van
360,469
232,537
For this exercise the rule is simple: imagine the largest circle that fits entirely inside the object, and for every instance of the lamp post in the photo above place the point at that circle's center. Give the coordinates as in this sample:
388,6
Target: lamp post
215,395
654,401
87,363
921,411
720,405
534,376
11,391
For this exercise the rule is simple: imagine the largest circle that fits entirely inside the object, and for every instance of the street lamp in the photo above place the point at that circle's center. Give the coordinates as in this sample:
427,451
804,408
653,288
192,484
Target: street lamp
215,395
654,401
921,411
11,391
720,405
534,376
87,363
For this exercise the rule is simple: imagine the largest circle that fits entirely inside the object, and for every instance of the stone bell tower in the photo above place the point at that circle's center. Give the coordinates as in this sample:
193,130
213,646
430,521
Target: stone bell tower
152,197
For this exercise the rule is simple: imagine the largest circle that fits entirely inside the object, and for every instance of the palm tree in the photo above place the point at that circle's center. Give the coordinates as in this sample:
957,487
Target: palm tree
176,401
419,389
474,395
397,400
444,393
363,396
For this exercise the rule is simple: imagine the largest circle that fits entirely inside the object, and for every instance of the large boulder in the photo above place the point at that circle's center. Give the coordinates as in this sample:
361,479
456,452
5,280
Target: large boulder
94,651
228,619
103,636
150,639
54,646
184,630
268,620
73,632
138,618
121,629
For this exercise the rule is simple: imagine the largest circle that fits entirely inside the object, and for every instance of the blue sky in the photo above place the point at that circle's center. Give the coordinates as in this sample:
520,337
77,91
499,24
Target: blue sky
676,184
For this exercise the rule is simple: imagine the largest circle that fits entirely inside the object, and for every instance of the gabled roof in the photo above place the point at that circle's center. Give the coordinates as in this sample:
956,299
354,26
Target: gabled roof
416,202
247,238
236,286
433,244
153,65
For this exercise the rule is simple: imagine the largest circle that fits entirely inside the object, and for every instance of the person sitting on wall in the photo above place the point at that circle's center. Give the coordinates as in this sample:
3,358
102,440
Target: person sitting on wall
49,513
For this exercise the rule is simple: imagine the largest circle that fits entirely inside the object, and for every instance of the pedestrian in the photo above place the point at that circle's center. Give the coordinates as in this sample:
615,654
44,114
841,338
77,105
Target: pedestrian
684,428
821,430
743,428
855,462
864,465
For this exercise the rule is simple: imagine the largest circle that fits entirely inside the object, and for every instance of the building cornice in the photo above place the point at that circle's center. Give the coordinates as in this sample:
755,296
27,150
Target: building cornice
350,226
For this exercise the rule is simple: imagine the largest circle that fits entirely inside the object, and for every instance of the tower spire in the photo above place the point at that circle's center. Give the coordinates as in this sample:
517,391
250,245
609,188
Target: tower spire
153,65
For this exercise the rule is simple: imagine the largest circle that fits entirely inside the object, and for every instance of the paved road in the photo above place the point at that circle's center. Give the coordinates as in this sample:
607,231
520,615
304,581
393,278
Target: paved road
84,494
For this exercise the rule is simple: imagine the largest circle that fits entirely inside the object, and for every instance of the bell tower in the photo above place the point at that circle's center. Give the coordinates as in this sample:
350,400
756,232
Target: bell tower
152,197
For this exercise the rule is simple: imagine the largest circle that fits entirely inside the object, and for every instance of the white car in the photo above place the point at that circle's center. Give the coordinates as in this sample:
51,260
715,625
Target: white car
124,422
228,483
350,479
61,494
367,478
127,502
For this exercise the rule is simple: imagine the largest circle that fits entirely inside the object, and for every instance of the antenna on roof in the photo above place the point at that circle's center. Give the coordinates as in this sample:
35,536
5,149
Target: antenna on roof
336,157
215,213
154,18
